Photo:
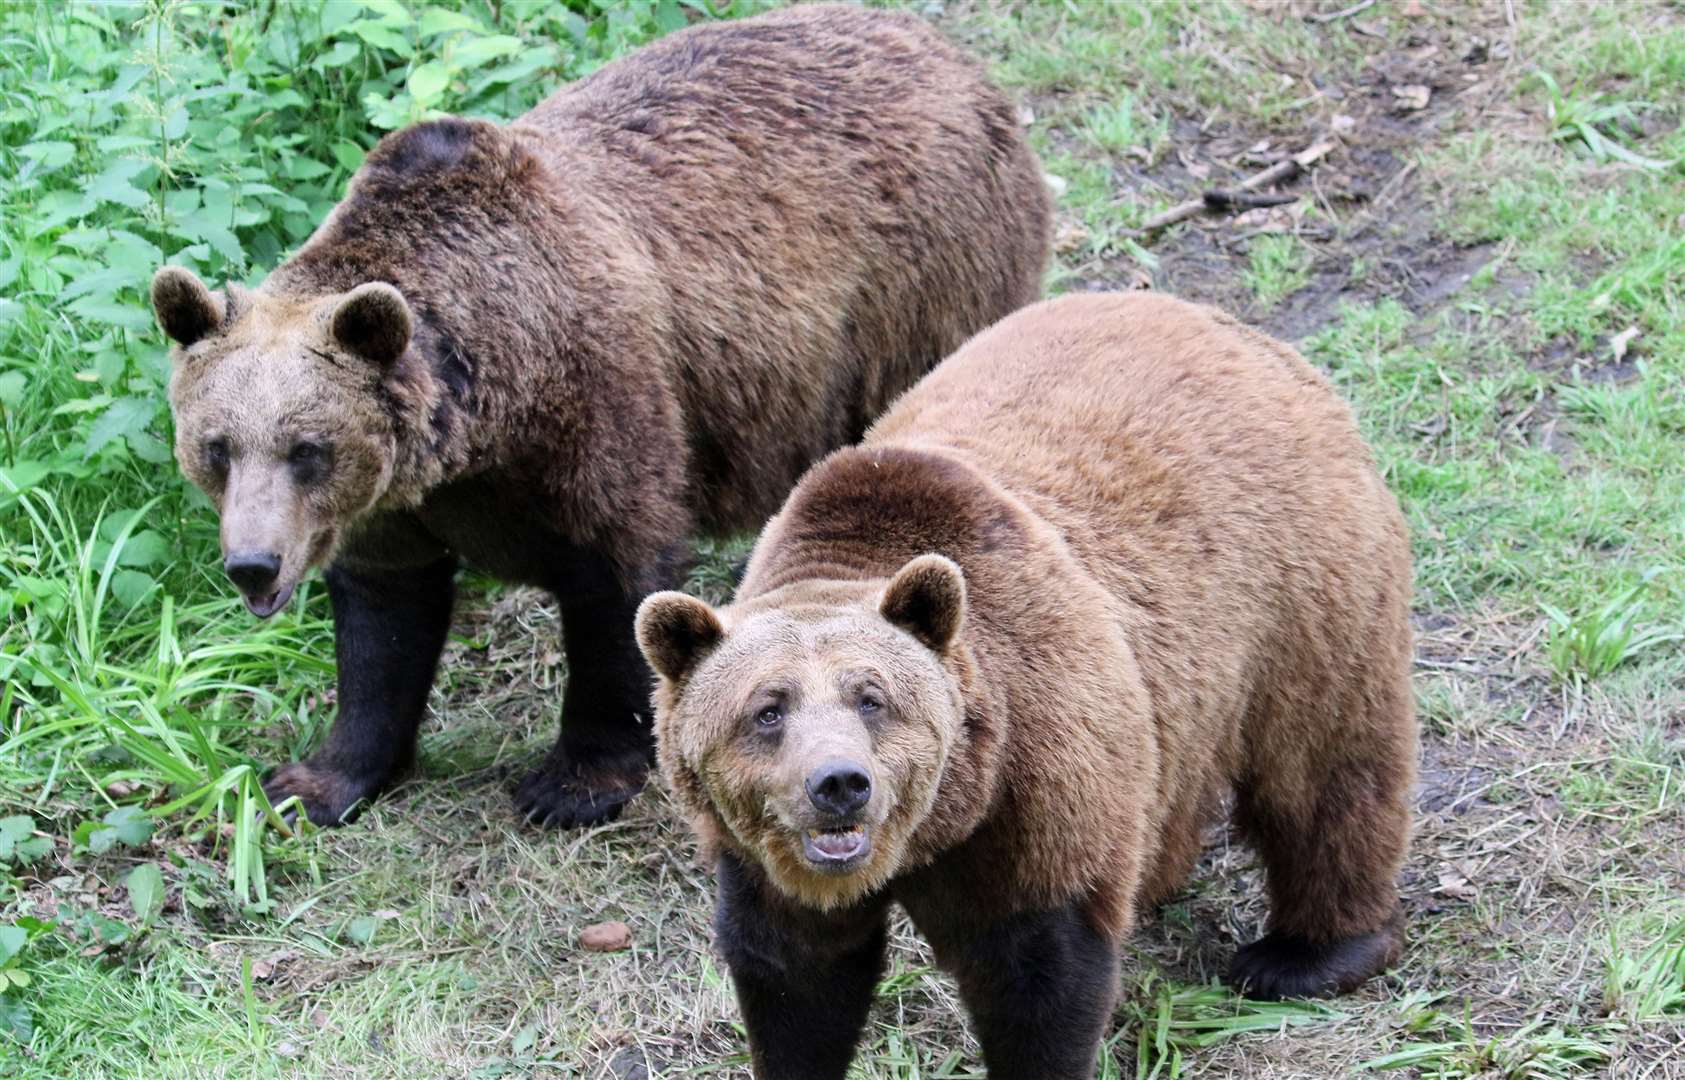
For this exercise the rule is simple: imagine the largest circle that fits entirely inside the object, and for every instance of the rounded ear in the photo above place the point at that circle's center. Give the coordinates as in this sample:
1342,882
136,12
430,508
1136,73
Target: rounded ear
927,599
186,308
675,631
374,322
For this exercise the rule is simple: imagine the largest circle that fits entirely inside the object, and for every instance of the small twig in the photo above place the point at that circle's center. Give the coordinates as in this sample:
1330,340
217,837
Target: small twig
1244,200
1361,5
1281,170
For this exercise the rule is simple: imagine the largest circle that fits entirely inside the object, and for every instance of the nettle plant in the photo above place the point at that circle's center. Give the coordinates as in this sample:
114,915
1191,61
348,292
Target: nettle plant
217,135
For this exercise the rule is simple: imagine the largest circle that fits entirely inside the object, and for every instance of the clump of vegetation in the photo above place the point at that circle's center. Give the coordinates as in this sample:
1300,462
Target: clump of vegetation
1595,642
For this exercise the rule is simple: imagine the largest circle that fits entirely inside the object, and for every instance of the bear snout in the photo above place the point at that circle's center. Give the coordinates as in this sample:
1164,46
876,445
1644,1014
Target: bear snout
253,572
839,788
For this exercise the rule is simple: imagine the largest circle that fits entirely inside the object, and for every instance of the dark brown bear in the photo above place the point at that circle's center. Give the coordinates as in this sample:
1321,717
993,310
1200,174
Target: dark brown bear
998,663
553,349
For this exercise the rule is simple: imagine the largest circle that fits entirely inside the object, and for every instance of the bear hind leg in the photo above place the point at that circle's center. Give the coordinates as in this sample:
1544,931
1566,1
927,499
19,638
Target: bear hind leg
1330,819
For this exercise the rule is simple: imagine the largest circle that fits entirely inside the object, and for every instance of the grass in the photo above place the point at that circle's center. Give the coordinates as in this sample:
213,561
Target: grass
1497,283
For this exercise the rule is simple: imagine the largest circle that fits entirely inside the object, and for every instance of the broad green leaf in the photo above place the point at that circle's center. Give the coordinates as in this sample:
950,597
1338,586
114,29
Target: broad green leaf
132,824
13,938
113,185
669,16
101,310
349,155
391,12
303,168
12,385
381,36
130,587
342,53
49,155
15,1019
361,930
436,20
146,891
145,548
127,416
428,82
471,54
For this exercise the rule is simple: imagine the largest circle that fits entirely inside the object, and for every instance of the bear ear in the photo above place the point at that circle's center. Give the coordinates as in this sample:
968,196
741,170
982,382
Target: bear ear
374,322
927,599
186,308
675,631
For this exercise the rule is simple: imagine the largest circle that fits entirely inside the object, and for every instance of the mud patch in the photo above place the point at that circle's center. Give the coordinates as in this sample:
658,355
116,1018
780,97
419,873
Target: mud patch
1369,219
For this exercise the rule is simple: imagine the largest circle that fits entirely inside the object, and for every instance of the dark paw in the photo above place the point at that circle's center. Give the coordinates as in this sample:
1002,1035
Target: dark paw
1283,966
327,796
562,794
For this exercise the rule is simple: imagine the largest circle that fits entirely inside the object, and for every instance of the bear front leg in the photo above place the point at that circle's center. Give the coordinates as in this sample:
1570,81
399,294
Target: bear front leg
804,978
389,629
1040,987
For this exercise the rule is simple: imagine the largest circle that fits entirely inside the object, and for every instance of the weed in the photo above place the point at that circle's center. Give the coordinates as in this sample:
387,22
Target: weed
1595,123
1649,983
1277,265
1596,642
1170,1022
1533,1051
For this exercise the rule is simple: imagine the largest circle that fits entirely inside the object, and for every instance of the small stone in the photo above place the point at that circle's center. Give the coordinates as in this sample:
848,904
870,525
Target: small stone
318,1019
1412,97
606,937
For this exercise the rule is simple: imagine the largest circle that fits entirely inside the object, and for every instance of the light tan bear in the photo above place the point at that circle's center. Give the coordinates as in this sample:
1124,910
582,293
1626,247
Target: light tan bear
996,664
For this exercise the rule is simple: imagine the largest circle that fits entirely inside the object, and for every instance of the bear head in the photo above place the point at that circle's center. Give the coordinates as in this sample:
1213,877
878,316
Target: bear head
281,417
811,730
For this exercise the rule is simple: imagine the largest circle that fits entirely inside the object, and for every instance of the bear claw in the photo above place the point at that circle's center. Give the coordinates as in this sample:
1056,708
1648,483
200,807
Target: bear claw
561,795
327,796
1280,966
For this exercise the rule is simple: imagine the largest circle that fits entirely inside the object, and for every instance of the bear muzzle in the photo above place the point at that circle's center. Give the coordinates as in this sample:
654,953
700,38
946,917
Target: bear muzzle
840,790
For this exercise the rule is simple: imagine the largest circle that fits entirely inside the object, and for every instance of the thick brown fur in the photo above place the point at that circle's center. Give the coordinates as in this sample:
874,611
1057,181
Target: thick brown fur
1181,574
641,309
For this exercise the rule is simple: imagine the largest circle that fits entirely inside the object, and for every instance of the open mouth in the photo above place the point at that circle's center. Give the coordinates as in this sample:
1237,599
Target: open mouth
837,850
269,603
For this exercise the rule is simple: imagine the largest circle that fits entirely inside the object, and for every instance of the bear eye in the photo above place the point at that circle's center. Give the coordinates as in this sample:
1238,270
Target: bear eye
307,460
870,703
216,454
769,717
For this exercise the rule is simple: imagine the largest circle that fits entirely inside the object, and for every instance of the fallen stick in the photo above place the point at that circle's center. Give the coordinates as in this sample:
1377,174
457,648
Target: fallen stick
1244,200
1361,5
1284,169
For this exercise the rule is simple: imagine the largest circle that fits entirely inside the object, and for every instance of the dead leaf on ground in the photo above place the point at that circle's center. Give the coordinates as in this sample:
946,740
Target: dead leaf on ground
1069,237
264,969
606,937
1618,344
1453,884
1413,9
1412,96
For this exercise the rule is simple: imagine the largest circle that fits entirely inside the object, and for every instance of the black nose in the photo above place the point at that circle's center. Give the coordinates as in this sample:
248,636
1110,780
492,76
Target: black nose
839,787
253,571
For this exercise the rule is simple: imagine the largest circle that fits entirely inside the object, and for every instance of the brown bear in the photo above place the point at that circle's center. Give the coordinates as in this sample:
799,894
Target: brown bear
553,349
998,664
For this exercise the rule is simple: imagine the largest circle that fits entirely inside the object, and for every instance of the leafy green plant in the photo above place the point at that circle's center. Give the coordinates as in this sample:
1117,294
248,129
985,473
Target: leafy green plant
1595,123
18,843
1123,125
1596,642
16,1020
1169,1022
1647,984
217,137
1452,1050
1278,264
